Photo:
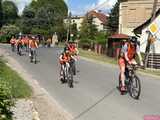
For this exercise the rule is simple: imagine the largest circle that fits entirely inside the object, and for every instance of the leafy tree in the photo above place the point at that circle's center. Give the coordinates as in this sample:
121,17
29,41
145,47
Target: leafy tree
1,14
113,20
45,17
27,20
10,12
88,29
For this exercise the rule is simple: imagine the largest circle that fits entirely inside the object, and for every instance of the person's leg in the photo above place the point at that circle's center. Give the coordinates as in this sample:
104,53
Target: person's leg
122,72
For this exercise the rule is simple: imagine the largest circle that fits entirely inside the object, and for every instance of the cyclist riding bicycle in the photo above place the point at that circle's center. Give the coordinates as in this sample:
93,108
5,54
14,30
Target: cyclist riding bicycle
74,55
19,45
127,56
32,46
64,59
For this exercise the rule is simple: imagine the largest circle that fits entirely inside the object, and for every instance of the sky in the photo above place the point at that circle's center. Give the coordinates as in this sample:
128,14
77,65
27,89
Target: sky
77,7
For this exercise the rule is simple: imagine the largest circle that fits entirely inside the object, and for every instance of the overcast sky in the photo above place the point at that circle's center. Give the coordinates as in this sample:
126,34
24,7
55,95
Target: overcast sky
77,7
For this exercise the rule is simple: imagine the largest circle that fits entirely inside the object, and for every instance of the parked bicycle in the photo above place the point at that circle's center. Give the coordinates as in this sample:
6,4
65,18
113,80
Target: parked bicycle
132,82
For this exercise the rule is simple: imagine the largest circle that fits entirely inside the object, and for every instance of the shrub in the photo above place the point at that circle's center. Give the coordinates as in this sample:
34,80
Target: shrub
6,100
8,32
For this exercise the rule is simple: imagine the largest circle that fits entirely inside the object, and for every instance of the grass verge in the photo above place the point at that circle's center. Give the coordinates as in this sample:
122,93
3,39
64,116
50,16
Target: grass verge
95,56
19,87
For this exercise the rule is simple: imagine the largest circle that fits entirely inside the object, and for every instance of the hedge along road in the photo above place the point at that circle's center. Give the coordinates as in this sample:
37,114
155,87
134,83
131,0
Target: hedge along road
94,96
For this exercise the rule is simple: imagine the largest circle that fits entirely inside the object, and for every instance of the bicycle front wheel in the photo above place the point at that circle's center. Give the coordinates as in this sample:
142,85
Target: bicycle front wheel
134,87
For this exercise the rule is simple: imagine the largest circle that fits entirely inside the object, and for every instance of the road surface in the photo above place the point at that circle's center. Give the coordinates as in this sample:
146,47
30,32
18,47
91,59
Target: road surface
94,96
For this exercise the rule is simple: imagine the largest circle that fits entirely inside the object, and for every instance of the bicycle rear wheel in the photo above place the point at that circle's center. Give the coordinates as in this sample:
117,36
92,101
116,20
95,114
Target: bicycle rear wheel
35,57
134,87
70,77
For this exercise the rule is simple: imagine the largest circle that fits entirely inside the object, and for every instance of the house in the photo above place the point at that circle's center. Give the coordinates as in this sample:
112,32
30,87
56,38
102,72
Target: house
99,19
75,19
133,13
143,31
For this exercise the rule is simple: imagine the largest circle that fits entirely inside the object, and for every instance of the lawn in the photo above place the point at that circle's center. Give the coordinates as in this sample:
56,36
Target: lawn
98,57
19,87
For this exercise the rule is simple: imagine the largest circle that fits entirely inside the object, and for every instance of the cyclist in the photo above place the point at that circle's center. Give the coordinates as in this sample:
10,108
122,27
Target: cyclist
19,46
64,59
26,42
13,42
127,55
74,53
32,46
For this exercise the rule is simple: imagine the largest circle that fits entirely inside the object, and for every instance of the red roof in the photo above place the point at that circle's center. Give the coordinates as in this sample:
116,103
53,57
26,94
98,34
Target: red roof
119,36
102,17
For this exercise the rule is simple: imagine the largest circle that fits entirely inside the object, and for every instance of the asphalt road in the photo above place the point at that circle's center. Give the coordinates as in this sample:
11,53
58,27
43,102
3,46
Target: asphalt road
94,96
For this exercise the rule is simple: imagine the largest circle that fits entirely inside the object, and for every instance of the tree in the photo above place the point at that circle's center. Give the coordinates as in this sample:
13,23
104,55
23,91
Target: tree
1,14
10,12
113,20
88,29
27,20
46,16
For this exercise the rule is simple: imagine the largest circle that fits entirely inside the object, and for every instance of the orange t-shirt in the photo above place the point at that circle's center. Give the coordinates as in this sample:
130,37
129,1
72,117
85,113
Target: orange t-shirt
131,51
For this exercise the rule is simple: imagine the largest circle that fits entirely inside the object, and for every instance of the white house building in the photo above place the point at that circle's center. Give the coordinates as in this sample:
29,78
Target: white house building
99,19
75,19
152,27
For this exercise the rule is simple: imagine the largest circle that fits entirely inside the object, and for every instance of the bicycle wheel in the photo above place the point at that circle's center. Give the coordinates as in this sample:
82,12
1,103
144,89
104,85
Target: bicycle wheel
70,77
63,80
134,87
35,57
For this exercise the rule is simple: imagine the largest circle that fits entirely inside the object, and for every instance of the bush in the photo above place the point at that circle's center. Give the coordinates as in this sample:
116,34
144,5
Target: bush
5,38
101,38
85,43
6,100
9,31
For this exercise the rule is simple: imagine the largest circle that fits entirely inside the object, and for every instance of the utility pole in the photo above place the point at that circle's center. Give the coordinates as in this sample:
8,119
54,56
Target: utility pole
149,34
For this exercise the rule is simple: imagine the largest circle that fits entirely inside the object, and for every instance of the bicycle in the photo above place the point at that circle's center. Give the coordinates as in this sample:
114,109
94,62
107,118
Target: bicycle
132,82
68,74
33,56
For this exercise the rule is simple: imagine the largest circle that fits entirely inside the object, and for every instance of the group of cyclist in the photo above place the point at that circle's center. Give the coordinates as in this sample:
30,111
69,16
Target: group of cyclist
127,54
68,57
24,44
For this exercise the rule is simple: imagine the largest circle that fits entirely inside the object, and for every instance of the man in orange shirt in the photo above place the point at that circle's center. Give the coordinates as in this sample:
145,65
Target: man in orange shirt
127,56
13,42
33,47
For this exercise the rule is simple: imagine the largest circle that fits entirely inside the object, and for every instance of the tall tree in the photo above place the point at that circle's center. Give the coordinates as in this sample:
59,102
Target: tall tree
10,12
1,14
88,29
113,20
27,20
48,16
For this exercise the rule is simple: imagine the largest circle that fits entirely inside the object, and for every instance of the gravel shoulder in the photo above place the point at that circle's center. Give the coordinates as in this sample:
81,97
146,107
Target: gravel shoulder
42,105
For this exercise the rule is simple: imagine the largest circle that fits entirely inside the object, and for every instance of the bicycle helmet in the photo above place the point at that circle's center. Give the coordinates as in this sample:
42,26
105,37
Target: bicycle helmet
133,39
